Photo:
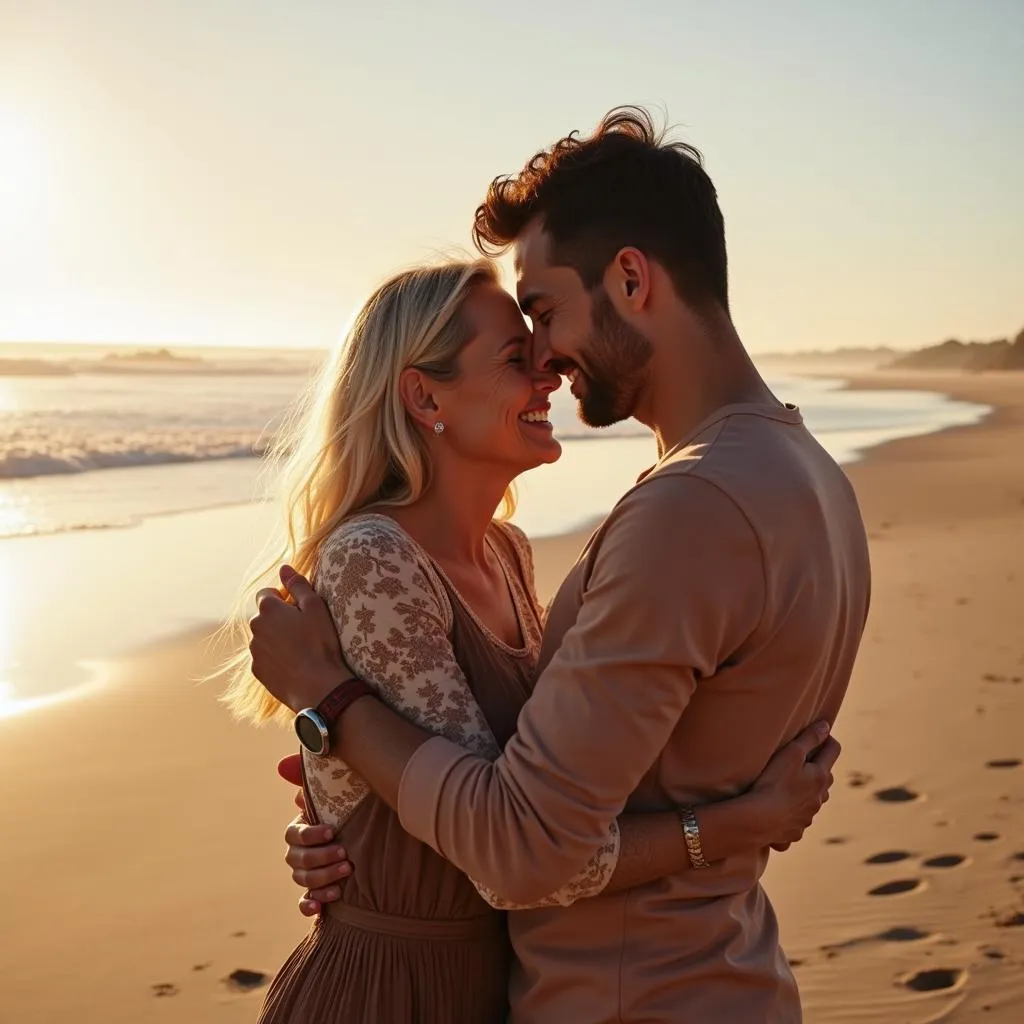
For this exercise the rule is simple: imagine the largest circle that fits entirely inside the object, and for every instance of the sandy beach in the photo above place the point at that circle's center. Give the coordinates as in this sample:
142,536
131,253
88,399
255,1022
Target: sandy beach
141,877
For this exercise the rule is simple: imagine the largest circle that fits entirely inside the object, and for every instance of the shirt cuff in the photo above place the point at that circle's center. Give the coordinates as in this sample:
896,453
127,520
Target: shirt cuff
419,791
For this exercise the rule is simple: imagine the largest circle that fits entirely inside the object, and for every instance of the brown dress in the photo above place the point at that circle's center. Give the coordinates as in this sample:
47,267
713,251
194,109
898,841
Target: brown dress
411,940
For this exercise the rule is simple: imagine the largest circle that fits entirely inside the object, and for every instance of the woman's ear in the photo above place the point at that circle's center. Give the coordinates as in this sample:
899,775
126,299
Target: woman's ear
416,391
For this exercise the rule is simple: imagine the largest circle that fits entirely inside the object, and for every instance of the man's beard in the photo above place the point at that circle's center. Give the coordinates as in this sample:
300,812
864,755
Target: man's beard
617,356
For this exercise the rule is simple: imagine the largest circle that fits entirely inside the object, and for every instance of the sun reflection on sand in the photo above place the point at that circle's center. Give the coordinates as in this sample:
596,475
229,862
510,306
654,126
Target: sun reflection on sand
9,705
7,627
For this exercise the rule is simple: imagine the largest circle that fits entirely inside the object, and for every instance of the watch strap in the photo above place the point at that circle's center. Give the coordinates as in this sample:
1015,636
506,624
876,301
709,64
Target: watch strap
334,705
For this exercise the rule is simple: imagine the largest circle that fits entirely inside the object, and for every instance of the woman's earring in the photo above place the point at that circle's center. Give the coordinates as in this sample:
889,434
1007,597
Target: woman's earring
438,428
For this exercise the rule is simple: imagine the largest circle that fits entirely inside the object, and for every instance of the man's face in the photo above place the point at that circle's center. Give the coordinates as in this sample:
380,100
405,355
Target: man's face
580,333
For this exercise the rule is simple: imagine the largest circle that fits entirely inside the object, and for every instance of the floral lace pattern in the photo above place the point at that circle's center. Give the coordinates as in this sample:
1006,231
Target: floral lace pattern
394,620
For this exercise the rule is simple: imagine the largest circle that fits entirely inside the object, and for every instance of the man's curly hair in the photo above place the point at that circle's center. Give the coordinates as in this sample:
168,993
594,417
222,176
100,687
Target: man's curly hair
625,185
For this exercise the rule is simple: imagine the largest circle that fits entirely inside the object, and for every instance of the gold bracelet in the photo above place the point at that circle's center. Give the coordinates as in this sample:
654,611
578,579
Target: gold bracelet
691,836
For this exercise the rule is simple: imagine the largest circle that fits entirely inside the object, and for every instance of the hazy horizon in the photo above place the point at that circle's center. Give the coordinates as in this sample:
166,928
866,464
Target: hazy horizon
233,175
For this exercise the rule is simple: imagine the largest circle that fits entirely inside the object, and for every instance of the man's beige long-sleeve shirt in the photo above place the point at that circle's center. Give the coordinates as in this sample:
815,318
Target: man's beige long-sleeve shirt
714,614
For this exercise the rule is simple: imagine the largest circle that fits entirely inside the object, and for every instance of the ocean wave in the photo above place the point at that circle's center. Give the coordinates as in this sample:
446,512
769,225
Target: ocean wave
20,463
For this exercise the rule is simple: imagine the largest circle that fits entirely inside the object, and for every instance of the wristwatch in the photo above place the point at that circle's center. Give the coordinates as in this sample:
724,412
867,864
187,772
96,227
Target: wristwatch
313,725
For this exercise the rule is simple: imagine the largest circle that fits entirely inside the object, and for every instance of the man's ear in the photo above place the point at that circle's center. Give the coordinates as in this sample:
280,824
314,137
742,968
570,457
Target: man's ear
416,391
627,280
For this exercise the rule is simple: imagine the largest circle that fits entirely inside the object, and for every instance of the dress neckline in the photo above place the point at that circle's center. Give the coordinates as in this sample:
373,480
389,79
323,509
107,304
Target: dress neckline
507,572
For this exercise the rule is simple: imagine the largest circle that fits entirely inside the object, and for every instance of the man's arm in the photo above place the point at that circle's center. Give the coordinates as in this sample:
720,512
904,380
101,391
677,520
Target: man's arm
776,811
677,585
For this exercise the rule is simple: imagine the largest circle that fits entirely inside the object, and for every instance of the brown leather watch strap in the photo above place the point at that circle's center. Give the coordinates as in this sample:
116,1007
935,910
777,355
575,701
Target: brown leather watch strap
333,706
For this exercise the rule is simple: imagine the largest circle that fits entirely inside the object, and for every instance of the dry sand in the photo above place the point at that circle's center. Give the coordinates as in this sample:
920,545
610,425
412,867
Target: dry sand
142,867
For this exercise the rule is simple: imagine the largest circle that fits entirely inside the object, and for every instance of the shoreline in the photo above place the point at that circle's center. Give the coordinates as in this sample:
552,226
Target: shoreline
145,865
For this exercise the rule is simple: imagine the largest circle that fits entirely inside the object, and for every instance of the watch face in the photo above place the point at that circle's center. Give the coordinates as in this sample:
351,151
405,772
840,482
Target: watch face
309,733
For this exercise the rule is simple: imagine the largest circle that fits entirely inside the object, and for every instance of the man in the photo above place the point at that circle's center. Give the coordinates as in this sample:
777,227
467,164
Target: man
714,614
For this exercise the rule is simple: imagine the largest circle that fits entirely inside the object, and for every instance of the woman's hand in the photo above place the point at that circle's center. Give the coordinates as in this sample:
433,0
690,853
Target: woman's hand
795,783
295,650
319,865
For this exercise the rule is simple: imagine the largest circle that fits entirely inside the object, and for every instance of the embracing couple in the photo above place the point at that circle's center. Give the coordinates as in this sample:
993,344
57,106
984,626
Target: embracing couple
560,816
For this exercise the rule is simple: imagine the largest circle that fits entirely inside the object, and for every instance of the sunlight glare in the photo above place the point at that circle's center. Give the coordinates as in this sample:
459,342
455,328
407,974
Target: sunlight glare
22,166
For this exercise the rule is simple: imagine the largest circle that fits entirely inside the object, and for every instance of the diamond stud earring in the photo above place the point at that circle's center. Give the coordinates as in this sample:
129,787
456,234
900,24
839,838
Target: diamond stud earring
439,428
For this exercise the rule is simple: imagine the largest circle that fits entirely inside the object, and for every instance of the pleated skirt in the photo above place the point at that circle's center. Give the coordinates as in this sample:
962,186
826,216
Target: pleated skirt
362,967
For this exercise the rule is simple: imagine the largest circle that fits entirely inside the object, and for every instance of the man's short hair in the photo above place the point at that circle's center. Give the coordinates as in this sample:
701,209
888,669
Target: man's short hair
625,185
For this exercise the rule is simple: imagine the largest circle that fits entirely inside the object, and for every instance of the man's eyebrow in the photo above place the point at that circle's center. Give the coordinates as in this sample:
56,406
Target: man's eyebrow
529,300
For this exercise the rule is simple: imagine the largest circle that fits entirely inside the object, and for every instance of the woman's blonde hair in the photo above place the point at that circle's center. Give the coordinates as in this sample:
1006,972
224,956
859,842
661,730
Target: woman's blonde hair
352,444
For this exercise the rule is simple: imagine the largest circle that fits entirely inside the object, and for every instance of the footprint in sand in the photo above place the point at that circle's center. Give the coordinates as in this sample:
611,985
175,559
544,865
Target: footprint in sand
858,779
985,837
1011,919
945,860
894,888
243,980
835,840
1003,762
889,857
935,979
903,933
896,795
164,988
993,954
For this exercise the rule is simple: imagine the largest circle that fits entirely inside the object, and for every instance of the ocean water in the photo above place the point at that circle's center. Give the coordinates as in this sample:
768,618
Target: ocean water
132,507
96,449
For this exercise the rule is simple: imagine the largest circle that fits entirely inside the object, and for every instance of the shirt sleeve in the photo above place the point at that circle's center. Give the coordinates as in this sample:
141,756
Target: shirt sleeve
394,621
676,585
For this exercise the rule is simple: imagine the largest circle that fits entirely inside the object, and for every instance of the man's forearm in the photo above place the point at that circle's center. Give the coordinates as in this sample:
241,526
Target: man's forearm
377,743
652,845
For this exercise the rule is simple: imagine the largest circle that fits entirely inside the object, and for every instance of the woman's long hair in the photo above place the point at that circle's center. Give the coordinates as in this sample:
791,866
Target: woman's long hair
352,444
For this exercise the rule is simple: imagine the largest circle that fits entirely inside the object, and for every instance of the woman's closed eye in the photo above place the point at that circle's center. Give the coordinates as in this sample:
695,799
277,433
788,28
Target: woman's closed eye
516,349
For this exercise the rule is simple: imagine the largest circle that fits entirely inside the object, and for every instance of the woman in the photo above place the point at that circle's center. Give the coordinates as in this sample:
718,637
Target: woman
425,417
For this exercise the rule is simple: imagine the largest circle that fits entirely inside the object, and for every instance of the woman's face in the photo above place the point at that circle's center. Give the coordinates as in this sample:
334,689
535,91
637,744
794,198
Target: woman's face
496,411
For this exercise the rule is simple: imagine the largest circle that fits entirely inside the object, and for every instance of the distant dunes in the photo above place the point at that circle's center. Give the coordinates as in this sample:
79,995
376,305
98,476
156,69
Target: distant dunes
966,356
151,355
973,356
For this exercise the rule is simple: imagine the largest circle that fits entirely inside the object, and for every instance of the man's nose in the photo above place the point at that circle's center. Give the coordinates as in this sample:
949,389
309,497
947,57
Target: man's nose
542,354
546,381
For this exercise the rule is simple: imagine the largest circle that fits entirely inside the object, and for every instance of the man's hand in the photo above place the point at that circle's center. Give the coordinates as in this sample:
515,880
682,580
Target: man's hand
317,864
295,650
795,784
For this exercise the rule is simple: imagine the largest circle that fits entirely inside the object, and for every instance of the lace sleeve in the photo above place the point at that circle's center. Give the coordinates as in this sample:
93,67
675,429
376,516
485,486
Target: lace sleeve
590,880
394,620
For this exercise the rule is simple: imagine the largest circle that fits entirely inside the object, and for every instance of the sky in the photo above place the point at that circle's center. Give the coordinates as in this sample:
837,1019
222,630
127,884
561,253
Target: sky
243,172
